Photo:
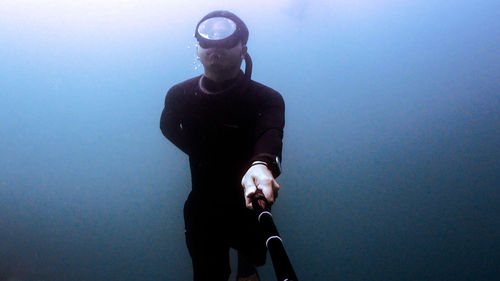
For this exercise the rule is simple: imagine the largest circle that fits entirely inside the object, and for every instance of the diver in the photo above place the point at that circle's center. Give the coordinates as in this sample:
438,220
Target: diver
231,127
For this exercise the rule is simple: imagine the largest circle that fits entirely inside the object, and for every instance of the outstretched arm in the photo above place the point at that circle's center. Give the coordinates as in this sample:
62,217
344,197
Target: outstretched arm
264,166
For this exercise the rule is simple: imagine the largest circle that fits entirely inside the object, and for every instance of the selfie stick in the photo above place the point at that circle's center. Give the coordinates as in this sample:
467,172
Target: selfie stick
274,243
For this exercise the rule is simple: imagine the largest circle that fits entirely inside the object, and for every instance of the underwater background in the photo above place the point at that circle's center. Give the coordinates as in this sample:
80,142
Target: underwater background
391,150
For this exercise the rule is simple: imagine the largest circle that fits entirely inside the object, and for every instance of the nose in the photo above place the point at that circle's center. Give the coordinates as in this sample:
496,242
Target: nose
216,54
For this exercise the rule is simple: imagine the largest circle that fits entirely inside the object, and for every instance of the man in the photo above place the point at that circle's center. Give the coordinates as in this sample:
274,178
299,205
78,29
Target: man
231,127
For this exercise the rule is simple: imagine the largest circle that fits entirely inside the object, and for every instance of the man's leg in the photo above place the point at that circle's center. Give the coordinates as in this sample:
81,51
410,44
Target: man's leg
250,244
206,240
210,259
246,270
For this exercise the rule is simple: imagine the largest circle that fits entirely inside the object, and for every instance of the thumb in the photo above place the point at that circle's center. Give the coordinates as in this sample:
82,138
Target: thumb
249,190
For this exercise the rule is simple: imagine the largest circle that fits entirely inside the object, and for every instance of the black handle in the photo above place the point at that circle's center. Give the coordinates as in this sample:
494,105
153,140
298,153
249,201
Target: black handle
281,263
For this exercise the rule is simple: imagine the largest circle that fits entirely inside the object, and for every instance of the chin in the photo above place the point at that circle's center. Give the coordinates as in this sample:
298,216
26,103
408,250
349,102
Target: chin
217,68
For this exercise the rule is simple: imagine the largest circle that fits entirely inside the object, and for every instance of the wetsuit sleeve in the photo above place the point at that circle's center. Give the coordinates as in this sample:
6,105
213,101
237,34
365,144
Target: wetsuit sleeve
171,121
269,131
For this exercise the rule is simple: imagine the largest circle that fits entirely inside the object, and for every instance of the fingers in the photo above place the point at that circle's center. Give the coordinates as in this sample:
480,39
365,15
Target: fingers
276,188
269,189
268,192
257,182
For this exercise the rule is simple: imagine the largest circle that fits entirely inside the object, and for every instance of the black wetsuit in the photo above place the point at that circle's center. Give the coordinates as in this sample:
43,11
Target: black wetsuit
223,132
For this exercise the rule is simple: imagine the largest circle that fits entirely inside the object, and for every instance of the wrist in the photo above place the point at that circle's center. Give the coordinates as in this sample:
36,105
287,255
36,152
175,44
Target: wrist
259,163
272,162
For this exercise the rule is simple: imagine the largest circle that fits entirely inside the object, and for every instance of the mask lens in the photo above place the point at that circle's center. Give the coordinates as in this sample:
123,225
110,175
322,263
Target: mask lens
217,28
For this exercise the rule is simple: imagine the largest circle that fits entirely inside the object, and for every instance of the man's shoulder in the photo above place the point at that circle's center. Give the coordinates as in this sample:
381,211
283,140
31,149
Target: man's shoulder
184,86
262,88
265,92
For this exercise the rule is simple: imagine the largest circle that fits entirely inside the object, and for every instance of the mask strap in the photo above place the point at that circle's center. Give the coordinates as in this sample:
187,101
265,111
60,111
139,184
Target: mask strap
248,66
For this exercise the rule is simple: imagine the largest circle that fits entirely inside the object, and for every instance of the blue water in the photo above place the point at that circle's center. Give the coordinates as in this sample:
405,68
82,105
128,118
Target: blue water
391,148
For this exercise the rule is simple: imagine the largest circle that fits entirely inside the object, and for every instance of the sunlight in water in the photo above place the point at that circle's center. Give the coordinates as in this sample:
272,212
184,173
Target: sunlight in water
93,14
113,15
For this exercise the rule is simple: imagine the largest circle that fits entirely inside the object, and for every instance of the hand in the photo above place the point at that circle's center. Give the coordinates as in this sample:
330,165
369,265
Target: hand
258,181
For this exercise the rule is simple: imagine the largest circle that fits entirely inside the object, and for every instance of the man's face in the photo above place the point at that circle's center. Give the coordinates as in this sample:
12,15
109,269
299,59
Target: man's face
219,59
